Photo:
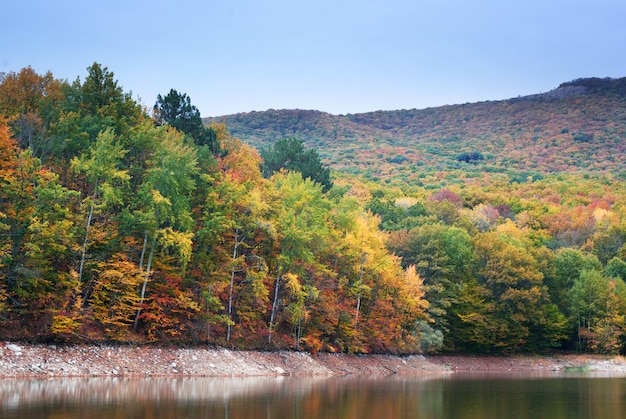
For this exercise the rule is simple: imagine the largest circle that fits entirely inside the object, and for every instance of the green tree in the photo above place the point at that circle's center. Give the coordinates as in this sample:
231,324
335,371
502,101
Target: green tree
175,109
164,203
103,102
616,268
597,307
444,257
396,217
568,265
101,166
90,108
289,154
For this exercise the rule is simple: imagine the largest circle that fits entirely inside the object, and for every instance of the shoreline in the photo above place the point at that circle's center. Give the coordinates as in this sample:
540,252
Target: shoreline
18,360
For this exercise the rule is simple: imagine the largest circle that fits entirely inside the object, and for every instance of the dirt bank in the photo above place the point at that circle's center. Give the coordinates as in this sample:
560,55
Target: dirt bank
573,363
20,360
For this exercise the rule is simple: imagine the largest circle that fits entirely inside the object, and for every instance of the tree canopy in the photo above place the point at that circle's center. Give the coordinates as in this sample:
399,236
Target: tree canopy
175,109
119,226
290,154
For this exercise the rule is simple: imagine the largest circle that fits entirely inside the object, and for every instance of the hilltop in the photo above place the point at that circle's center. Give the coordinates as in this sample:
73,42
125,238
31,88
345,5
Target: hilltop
577,127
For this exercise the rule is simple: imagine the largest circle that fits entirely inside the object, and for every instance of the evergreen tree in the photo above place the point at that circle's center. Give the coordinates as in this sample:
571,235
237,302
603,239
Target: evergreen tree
289,154
175,109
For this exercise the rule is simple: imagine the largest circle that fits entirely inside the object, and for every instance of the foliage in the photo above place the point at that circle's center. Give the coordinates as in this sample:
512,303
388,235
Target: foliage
289,154
511,137
598,311
175,109
116,226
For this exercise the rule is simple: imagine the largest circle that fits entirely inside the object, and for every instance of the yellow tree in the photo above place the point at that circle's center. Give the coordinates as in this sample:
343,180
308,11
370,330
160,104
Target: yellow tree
512,276
114,298
301,218
387,303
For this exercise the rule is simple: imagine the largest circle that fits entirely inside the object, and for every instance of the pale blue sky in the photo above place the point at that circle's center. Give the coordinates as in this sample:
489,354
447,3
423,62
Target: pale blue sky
330,55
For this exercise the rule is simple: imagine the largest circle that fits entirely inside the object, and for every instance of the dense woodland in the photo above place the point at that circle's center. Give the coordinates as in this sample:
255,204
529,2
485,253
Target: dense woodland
577,128
121,224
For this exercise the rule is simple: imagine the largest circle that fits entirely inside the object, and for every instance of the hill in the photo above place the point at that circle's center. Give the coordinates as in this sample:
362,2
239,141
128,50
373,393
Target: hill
577,127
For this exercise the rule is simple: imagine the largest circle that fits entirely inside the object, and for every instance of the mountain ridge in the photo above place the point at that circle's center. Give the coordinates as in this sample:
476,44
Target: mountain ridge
577,127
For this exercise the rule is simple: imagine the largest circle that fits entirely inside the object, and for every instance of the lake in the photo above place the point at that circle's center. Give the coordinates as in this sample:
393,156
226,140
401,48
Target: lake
458,395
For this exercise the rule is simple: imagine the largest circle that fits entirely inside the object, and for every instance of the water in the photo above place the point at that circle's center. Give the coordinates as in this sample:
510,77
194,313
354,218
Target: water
450,396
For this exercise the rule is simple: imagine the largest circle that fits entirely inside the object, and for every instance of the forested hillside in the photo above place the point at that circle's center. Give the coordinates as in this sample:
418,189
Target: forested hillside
123,225
578,127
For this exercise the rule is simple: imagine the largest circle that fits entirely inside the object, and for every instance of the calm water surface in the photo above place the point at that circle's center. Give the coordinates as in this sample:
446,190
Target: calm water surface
450,396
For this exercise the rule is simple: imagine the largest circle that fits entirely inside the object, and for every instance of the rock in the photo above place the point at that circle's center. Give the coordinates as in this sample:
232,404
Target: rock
17,350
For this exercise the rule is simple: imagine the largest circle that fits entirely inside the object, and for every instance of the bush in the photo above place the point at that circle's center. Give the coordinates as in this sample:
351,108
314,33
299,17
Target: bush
584,138
468,157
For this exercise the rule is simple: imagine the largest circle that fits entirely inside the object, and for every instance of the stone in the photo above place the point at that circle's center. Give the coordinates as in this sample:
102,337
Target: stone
17,350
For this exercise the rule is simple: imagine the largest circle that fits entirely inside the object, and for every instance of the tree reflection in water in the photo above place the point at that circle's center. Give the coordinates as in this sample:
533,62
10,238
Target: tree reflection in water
432,396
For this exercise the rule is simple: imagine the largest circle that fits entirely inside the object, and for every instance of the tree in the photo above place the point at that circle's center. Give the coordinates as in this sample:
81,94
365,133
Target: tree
175,109
233,223
101,165
31,102
36,230
90,108
103,103
444,257
616,268
568,265
289,154
597,307
511,275
164,209
114,299
394,216
301,219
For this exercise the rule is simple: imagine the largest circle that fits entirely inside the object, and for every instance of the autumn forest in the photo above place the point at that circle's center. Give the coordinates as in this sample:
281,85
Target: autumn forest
149,226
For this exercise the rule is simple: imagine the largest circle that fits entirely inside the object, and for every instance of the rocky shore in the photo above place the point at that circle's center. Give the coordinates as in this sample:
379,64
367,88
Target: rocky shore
30,361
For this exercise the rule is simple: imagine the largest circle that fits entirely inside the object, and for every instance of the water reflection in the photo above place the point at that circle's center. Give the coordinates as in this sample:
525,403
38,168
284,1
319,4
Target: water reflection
449,396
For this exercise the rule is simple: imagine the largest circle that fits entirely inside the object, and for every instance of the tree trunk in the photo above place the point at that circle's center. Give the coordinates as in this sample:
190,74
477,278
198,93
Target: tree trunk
232,284
274,305
145,282
143,250
358,298
89,219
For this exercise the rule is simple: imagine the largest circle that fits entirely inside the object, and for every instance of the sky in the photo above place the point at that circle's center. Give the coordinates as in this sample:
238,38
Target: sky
336,56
